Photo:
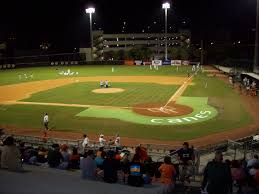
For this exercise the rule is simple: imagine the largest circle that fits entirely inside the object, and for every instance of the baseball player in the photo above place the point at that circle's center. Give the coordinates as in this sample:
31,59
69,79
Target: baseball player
46,121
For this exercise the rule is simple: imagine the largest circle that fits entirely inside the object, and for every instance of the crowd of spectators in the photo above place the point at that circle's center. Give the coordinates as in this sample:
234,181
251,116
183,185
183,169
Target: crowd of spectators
236,176
136,169
250,87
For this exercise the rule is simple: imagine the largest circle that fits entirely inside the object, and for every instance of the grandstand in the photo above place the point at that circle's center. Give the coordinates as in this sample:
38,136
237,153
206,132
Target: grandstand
33,175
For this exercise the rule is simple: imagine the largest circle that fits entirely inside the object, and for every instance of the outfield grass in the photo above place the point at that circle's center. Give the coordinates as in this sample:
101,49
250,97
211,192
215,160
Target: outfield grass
231,112
11,76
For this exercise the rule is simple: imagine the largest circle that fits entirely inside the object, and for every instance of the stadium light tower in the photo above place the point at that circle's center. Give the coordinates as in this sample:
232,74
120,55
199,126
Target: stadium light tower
90,11
166,6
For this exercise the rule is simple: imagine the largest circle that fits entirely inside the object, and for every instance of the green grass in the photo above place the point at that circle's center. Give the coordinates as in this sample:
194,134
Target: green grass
63,118
44,73
232,113
81,93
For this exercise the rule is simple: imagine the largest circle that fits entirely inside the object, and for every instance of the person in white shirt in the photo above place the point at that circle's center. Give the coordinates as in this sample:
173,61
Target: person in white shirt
102,141
106,84
253,161
244,81
46,121
117,140
101,83
193,68
85,141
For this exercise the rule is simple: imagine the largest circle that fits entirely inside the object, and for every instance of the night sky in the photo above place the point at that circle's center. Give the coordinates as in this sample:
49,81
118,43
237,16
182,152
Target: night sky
65,24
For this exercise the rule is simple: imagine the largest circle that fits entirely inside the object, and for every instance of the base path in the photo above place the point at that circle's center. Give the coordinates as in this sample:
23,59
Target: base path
180,91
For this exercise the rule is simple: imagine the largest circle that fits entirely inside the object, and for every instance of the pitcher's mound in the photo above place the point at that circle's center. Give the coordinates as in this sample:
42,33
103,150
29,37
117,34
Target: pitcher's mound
159,110
107,90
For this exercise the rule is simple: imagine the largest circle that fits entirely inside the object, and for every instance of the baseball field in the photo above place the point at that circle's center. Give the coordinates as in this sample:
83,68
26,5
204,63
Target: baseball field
161,104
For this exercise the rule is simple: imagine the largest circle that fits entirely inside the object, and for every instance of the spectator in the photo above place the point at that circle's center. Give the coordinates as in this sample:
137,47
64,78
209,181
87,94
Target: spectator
149,169
10,155
257,177
136,171
99,160
217,176
186,158
250,187
102,141
33,156
252,161
117,154
110,168
110,143
117,141
99,152
88,166
245,81
228,162
142,153
42,155
125,165
22,150
54,156
167,171
27,154
74,160
85,141
238,174
254,169
64,152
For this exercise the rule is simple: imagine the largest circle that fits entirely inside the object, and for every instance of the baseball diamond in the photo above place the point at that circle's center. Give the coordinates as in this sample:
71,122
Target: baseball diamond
142,103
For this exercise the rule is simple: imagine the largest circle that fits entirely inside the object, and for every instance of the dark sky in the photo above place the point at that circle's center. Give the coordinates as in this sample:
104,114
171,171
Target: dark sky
66,25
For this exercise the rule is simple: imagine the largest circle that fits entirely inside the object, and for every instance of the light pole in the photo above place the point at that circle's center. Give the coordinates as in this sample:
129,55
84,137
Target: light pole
166,6
91,10
256,65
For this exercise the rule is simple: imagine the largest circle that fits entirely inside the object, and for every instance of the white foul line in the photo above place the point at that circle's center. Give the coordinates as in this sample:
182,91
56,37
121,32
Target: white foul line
180,90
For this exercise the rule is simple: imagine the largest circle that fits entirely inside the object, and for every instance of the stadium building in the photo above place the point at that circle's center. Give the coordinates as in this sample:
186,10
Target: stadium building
103,43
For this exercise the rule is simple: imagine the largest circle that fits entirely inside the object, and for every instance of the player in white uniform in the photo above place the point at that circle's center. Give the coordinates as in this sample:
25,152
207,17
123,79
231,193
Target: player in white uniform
85,141
101,83
46,121
102,141
106,84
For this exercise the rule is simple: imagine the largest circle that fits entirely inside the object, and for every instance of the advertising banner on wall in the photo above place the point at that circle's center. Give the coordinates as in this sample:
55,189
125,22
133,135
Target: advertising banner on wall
176,62
138,62
166,62
128,62
156,62
185,62
147,63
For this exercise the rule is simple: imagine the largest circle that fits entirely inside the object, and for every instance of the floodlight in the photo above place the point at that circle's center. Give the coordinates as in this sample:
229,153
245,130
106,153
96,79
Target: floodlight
90,10
166,5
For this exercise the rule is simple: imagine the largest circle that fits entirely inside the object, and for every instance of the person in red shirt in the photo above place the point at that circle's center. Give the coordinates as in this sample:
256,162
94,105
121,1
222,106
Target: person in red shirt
142,153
